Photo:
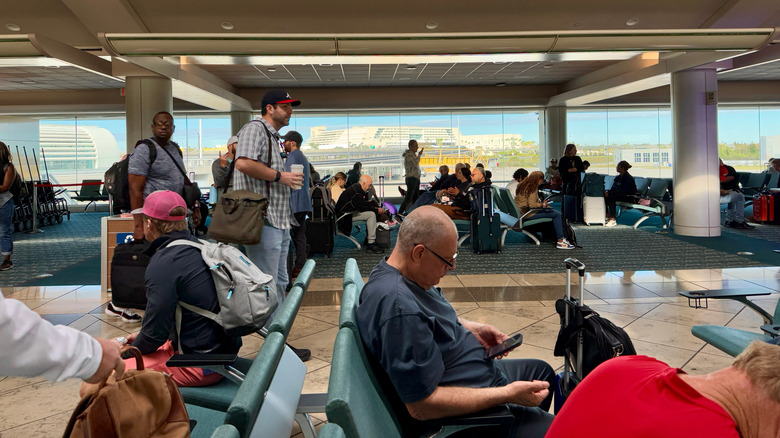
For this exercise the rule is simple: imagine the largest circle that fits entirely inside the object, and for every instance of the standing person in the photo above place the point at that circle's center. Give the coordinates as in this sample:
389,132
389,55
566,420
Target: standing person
570,166
220,168
527,198
6,207
145,178
412,167
300,199
260,169
622,189
353,175
731,194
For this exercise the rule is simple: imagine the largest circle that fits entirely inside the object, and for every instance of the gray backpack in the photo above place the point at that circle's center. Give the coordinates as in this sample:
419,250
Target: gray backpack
246,295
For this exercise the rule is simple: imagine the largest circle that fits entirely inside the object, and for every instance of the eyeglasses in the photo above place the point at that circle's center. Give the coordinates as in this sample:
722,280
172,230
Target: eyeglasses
162,124
450,264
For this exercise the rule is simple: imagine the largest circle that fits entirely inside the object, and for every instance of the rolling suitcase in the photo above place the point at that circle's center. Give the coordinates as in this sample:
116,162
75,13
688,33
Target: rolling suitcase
321,225
485,225
764,208
128,266
594,210
572,209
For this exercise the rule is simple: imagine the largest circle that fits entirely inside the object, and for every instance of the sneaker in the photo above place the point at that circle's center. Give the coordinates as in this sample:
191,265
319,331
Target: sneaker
739,225
127,315
401,191
7,264
303,354
564,244
610,223
373,247
383,225
728,224
392,223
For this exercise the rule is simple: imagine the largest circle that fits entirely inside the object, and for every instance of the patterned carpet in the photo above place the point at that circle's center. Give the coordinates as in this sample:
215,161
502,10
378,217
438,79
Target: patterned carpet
70,250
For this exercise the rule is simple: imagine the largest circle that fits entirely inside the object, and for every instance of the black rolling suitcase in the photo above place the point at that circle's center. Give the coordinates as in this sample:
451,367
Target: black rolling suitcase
485,225
128,266
321,226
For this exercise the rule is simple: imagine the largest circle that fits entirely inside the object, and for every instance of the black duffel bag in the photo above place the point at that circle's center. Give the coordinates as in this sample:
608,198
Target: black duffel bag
602,340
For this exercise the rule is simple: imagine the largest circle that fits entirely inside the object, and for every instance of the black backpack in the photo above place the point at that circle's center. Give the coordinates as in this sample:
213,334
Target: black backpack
568,233
116,179
602,340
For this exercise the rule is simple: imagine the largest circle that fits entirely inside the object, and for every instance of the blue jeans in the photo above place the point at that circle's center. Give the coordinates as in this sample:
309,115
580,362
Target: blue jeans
556,220
426,198
7,227
529,422
736,206
270,255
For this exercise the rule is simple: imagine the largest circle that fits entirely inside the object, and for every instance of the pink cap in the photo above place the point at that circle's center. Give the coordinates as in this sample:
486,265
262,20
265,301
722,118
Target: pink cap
159,205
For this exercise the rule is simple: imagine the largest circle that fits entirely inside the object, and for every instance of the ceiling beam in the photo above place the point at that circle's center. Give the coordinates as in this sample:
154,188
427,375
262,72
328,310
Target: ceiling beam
193,84
78,58
640,79
107,16
743,13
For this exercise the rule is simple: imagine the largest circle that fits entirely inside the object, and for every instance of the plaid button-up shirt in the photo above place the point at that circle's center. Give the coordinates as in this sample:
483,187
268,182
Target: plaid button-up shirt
253,144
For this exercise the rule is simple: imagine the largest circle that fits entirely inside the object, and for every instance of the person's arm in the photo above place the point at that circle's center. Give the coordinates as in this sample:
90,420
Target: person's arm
450,401
260,171
250,149
220,173
487,335
34,347
8,179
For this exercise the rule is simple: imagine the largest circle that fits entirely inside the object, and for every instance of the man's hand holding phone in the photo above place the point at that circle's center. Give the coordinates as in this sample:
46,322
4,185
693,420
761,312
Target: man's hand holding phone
503,348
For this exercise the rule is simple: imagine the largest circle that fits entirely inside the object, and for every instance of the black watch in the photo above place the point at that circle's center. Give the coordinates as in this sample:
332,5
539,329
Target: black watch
278,176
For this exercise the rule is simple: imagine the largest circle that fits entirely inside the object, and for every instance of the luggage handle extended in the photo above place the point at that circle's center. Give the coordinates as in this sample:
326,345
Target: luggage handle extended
572,263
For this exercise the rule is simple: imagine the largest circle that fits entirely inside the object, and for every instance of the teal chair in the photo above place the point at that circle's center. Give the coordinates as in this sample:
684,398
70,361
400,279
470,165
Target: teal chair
731,340
523,222
329,430
660,204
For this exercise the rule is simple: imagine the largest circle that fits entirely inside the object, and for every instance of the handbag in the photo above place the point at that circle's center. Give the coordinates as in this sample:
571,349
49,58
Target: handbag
142,404
239,215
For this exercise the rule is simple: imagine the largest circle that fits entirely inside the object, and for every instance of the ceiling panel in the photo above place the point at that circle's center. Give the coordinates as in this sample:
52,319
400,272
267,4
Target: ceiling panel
59,78
765,72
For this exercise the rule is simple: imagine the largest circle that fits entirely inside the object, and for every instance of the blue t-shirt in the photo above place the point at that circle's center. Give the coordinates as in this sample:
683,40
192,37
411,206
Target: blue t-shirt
299,199
415,336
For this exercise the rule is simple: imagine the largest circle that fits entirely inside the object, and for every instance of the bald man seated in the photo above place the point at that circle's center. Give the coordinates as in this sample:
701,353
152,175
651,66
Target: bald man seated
638,396
434,359
355,200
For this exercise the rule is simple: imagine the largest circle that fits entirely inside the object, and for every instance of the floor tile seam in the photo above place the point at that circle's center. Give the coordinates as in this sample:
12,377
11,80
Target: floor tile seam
694,355
6,392
325,364
35,421
673,346
708,310
317,319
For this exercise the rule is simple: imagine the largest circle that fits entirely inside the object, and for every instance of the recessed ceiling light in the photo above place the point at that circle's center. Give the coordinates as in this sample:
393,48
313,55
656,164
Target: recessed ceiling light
431,25
13,27
547,66
501,84
404,79
411,67
227,25
632,22
271,68
326,65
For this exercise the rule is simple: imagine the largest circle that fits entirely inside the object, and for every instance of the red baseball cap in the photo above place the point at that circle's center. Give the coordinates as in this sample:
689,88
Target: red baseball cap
159,205
272,97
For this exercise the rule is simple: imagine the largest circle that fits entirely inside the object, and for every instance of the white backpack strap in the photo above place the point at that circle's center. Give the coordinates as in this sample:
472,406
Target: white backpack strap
187,242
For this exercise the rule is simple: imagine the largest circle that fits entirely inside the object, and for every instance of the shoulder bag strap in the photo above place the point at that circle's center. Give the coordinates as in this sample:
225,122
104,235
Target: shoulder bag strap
186,179
233,163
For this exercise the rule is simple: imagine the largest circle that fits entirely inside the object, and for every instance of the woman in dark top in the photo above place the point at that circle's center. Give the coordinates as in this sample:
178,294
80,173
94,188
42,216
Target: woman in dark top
570,166
6,207
622,189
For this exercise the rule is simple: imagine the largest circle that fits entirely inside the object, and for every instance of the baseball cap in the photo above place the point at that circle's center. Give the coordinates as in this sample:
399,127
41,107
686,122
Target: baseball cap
275,96
232,140
293,136
159,205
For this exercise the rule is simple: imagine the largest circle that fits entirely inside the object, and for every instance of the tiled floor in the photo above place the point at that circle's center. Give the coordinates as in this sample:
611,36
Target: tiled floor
646,303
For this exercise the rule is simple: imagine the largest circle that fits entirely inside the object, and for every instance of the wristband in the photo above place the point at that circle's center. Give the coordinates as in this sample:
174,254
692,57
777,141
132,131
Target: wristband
278,176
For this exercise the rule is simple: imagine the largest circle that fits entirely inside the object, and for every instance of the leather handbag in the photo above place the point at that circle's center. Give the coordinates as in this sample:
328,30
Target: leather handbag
142,404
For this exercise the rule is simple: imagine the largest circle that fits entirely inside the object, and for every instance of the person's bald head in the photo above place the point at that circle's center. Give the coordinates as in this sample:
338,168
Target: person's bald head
425,225
365,181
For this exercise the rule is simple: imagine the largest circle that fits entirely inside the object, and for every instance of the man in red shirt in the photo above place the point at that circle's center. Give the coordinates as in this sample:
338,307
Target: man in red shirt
640,397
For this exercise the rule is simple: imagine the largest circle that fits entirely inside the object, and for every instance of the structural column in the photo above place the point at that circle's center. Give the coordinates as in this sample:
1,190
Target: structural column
144,97
238,119
554,135
695,148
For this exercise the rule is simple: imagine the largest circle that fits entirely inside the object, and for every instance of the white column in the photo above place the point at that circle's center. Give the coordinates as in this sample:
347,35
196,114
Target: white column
554,135
695,147
145,97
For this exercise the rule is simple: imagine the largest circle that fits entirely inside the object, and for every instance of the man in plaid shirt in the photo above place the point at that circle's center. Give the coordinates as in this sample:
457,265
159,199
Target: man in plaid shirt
260,169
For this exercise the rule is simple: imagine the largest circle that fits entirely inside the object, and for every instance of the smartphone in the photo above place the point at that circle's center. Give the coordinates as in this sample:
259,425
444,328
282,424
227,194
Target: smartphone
509,344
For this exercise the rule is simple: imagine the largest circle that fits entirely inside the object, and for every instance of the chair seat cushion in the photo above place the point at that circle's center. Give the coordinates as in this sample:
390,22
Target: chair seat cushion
206,420
217,396
726,339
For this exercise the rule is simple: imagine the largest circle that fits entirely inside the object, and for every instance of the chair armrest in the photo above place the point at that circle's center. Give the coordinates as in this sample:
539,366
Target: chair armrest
201,360
771,330
695,299
495,415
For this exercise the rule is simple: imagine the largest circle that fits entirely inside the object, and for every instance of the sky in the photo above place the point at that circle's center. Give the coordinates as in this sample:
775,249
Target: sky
594,127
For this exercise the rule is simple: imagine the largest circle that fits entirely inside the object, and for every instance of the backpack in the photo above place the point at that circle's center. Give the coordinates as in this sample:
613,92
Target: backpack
17,189
323,207
601,340
246,295
116,177
568,233
593,185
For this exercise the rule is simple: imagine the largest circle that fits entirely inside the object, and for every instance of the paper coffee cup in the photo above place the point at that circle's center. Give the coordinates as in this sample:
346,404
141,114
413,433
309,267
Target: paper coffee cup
297,168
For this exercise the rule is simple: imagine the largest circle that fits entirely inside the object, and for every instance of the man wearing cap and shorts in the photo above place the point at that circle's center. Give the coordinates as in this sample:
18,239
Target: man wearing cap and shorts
260,169
177,274
301,200
220,168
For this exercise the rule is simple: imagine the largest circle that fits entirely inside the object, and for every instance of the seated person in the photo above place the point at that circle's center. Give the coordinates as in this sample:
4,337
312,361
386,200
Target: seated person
431,196
638,396
353,175
444,172
623,189
461,202
519,175
355,200
775,165
435,360
586,165
315,176
731,194
527,198
336,186
177,274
